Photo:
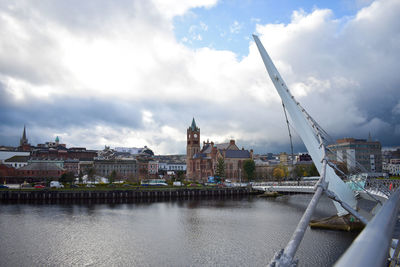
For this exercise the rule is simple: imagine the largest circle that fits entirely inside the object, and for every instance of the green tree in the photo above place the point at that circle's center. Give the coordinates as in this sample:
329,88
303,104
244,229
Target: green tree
91,172
80,176
249,168
112,176
67,177
298,171
312,170
180,175
220,171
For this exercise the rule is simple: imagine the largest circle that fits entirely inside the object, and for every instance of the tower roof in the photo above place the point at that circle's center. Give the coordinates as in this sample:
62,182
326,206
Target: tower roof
57,139
193,126
24,134
23,140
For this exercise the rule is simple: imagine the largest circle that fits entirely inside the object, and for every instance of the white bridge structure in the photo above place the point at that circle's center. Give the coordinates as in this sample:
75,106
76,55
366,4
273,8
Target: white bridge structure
286,188
371,248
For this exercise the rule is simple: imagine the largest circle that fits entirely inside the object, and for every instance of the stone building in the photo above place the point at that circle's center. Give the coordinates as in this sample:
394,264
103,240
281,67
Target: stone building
153,168
123,168
72,166
202,163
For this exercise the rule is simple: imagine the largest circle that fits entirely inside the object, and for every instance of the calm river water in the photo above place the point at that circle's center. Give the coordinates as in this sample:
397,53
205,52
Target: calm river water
204,232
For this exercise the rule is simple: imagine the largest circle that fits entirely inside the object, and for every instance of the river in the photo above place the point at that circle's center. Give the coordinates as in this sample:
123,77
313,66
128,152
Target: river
195,232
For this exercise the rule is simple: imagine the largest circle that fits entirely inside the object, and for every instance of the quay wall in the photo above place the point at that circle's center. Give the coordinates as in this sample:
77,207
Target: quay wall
10,195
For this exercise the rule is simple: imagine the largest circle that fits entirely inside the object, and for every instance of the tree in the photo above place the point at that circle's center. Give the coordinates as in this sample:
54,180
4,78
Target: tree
91,172
249,168
278,173
312,170
285,170
80,176
343,171
299,171
220,171
112,176
67,177
180,175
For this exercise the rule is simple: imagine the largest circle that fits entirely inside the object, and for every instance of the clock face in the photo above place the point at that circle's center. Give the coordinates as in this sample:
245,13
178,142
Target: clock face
195,135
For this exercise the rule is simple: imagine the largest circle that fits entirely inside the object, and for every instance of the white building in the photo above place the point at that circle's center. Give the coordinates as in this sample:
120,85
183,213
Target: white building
134,150
171,166
393,168
17,161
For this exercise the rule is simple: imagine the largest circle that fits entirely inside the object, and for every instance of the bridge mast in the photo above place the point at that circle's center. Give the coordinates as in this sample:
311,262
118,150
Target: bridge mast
310,132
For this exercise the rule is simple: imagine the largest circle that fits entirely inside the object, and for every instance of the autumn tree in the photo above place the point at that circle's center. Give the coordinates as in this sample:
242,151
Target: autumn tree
278,173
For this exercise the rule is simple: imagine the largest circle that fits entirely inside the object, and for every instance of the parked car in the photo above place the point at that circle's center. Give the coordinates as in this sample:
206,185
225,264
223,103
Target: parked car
90,185
56,184
177,183
74,186
39,186
3,186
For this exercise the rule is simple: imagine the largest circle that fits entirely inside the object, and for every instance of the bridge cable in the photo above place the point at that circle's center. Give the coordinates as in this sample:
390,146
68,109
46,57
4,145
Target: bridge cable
290,138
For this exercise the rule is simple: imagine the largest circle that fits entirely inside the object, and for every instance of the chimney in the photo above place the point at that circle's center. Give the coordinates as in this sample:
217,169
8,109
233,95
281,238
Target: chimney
232,142
212,143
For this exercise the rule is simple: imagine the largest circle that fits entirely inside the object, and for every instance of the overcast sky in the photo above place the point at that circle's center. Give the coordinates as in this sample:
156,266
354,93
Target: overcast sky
135,73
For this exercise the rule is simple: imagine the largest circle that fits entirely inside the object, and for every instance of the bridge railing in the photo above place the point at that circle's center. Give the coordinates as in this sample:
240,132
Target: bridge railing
371,247
286,183
390,184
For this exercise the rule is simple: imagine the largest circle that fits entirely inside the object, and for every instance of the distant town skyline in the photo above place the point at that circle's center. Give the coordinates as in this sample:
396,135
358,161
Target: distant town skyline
135,73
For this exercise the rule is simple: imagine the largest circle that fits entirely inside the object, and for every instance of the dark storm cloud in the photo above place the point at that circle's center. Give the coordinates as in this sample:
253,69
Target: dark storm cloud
101,72
63,113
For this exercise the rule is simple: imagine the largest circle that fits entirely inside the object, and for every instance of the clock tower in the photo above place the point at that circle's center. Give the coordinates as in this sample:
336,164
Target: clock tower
192,147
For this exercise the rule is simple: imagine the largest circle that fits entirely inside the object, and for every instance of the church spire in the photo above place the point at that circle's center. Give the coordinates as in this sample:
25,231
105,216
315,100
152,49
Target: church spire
23,140
24,133
194,127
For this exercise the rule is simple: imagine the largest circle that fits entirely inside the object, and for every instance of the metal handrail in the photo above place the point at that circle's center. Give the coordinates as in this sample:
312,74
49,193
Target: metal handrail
371,247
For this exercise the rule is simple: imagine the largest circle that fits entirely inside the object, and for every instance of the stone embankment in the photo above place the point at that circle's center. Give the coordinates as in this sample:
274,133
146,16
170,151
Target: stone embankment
11,195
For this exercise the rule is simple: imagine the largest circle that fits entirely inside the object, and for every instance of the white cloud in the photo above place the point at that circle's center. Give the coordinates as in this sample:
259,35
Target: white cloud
235,27
126,59
171,8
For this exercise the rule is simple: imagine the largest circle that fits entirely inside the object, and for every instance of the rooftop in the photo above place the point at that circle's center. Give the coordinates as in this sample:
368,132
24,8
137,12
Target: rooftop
17,159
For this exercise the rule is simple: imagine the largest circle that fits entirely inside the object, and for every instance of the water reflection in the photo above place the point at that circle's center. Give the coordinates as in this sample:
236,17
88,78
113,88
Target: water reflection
225,231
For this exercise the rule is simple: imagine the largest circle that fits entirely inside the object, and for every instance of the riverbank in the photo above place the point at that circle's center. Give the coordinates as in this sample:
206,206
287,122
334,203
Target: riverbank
135,193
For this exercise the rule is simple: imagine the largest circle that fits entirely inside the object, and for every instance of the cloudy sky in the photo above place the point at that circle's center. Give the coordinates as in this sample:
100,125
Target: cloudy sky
135,73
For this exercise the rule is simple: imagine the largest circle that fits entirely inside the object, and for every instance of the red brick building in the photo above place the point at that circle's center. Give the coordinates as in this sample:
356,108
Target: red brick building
6,173
202,163
39,171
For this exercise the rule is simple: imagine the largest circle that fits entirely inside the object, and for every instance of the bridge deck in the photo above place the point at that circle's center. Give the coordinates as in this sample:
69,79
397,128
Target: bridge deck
285,189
